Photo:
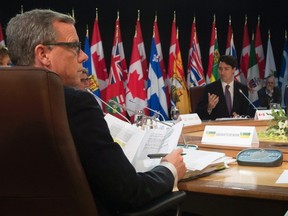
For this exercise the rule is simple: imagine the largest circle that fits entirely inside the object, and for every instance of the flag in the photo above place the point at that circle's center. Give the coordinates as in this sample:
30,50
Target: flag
229,35
136,95
93,82
98,56
120,47
270,67
115,90
156,93
283,78
195,72
259,51
178,91
238,76
162,64
214,55
2,41
244,58
253,77
141,48
231,50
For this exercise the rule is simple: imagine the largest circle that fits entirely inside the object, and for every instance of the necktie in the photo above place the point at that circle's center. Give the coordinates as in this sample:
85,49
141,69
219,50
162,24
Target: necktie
228,99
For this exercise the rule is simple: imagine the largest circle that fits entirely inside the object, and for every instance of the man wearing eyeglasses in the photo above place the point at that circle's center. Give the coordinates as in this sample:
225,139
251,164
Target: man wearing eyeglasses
48,39
269,94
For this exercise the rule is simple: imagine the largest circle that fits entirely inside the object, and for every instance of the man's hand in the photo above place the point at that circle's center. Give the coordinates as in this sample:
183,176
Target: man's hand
212,102
176,159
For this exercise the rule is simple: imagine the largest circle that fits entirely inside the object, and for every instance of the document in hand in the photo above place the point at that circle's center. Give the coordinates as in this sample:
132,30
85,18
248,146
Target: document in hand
201,163
137,143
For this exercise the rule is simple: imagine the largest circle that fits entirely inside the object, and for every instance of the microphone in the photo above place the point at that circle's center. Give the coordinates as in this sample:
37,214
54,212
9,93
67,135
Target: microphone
248,99
98,98
155,111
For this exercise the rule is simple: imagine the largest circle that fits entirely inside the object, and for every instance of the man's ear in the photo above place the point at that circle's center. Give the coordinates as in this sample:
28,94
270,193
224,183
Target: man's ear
42,56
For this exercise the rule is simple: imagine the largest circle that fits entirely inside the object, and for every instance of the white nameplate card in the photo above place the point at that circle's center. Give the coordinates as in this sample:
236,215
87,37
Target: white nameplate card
263,115
242,136
190,119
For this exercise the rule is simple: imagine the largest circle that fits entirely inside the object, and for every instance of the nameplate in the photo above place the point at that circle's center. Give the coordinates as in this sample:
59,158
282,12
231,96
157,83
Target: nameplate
190,119
243,136
263,115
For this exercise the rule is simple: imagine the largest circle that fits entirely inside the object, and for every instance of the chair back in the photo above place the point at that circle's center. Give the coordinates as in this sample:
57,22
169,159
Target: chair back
196,93
41,173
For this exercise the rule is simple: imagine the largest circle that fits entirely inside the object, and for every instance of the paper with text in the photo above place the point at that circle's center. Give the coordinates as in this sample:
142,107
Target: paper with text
126,135
156,141
137,143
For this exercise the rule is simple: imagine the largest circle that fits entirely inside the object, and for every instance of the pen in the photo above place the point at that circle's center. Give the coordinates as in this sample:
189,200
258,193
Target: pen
151,156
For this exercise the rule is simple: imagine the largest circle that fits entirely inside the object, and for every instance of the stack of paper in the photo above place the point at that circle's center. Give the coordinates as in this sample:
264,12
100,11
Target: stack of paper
137,144
200,163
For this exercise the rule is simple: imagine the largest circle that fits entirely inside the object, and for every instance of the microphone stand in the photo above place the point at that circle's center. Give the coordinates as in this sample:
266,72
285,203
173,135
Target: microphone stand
98,98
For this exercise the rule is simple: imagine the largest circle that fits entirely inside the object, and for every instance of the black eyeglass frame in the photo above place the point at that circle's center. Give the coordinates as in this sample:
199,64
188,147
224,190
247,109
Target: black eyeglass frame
76,45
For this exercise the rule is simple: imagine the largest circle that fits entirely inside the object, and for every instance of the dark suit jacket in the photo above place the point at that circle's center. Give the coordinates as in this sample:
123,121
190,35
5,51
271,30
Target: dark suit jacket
265,99
113,180
240,104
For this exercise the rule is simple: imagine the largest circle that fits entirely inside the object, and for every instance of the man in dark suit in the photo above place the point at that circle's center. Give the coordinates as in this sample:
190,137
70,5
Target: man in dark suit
222,98
49,40
269,93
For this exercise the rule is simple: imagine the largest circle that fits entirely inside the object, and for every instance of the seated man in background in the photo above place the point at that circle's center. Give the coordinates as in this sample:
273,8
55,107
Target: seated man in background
47,39
269,93
222,98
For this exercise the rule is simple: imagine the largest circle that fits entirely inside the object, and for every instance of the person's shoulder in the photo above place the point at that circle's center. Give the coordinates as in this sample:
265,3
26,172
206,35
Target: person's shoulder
239,84
263,89
277,89
71,92
213,84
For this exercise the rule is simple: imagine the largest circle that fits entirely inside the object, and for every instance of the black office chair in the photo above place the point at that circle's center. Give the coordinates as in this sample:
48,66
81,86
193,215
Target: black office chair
161,205
41,173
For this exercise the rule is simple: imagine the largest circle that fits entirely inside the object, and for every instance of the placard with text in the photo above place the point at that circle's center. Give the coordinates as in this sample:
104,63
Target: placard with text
190,119
243,136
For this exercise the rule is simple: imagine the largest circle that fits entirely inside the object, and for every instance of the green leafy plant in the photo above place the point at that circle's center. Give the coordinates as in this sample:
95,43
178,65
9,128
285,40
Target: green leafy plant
279,127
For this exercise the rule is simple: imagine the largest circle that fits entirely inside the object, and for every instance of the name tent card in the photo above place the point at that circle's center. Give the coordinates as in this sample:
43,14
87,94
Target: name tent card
190,119
263,115
243,136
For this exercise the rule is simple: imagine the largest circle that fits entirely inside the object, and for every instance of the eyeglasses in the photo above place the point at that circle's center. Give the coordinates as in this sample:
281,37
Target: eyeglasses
73,45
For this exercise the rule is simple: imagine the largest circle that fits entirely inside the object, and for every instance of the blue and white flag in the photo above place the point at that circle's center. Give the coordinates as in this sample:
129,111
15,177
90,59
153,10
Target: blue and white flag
283,78
156,88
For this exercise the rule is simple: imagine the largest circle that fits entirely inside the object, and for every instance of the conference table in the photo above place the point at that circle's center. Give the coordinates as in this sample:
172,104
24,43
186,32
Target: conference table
237,190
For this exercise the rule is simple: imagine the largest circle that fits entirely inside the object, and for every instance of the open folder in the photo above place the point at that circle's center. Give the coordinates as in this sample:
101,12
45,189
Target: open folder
137,144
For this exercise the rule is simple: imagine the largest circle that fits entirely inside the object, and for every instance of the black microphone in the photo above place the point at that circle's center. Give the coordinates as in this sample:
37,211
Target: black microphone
248,99
98,98
155,111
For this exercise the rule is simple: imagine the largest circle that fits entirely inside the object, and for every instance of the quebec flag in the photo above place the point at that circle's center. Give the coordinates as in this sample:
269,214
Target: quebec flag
156,88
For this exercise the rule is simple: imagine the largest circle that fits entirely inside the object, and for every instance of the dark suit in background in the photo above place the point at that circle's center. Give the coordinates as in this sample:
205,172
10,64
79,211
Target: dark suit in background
265,99
114,182
240,104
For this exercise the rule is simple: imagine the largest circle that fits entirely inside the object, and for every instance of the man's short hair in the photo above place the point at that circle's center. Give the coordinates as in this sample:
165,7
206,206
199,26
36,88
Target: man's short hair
229,60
